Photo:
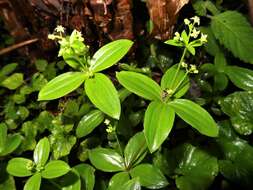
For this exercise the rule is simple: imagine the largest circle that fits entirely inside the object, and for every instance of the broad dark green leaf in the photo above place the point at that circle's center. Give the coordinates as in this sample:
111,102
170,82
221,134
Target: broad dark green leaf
168,81
195,169
140,84
239,106
7,183
33,183
233,30
220,81
20,167
106,160
236,163
158,122
195,116
41,152
103,95
89,122
12,143
87,175
62,85
54,169
149,176
14,81
110,54
132,184
135,150
240,77
70,181
118,180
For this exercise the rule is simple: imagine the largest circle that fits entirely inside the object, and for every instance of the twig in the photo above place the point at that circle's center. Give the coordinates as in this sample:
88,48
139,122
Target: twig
16,46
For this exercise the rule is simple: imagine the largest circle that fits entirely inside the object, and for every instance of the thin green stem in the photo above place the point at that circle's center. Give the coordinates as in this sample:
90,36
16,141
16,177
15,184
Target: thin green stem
117,139
179,65
181,81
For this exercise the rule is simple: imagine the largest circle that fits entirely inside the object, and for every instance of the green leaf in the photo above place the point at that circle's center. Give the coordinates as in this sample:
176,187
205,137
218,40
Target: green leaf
118,180
20,167
132,184
7,181
110,54
149,176
3,136
33,183
41,64
168,83
233,30
240,77
158,122
70,181
8,69
239,107
195,116
89,122
62,85
103,95
14,81
12,143
140,84
41,152
106,160
87,174
201,7
220,81
54,169
135,150
195,169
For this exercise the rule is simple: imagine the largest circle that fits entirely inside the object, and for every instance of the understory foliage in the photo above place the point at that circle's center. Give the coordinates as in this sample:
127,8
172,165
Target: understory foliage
179,117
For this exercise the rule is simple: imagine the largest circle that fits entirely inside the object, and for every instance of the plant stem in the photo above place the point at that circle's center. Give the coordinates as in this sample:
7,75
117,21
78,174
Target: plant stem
121,151
179,65
182,80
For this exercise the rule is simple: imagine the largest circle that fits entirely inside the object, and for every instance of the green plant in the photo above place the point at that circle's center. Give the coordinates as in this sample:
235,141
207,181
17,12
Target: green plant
75,53
165,99
39,168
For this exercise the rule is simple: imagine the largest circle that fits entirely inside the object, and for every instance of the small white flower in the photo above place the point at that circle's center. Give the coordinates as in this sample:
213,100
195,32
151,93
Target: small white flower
203,38
107,121
110,129
51,37
193,69
184,65
187,21
60,29
196,20
76,35
195,33
177,36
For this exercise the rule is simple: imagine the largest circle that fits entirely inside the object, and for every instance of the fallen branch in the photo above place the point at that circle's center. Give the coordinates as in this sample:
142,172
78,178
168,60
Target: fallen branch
16,46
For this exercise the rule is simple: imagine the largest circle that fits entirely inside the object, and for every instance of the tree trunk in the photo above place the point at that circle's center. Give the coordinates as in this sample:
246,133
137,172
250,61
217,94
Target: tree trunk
99,20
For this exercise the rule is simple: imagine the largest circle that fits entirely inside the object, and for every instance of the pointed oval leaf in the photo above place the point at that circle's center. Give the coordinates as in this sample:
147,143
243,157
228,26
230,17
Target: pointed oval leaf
33,183
103,95
19,167
149,176
135,150
237,39
41,152
118,180
158,122
70,181
140,84
196,116
55,168
14,81
168,83
12,143
62,85
89,122
241,77
106,160
87,175
110,54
